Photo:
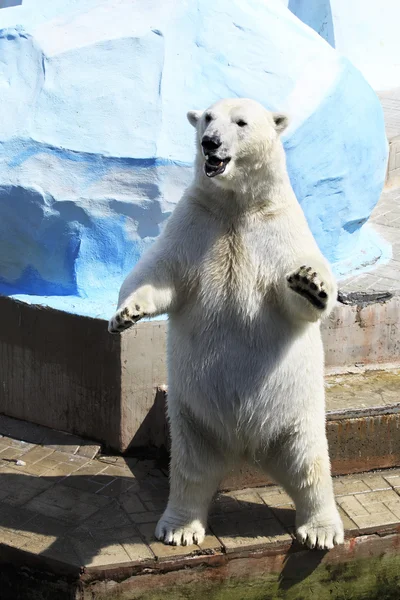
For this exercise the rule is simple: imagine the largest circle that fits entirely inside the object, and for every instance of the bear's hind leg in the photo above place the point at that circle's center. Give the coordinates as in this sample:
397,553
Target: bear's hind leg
196,469
304,472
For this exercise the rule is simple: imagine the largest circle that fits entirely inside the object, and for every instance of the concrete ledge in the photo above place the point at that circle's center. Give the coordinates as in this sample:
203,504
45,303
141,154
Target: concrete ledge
66,372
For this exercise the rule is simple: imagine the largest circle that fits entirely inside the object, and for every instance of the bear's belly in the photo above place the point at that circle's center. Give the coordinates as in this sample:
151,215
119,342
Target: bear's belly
242,377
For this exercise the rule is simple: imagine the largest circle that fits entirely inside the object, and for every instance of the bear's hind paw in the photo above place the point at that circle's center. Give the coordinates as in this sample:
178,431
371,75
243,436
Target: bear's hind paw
175,533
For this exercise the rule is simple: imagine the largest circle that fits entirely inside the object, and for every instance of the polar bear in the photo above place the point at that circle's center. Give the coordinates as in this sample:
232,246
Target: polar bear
245,287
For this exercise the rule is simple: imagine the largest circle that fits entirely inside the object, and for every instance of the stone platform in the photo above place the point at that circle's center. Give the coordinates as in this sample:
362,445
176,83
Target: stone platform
76,527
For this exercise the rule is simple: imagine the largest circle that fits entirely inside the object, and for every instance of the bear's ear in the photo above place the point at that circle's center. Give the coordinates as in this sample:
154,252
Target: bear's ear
281,121
193,116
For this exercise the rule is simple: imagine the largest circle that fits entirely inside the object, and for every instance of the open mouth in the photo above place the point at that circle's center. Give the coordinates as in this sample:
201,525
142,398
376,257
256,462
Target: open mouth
215,166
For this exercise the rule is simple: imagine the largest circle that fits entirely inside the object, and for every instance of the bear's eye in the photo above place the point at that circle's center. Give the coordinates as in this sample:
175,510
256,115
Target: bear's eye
241,123
207,118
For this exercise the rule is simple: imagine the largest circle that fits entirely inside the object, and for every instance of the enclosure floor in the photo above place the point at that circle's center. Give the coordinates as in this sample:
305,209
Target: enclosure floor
390,101
60,504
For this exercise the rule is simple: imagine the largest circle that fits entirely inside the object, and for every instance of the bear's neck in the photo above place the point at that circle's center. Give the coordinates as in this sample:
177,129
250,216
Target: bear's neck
264,187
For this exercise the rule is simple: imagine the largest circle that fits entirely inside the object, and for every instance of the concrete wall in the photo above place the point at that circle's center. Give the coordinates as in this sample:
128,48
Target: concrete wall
95,149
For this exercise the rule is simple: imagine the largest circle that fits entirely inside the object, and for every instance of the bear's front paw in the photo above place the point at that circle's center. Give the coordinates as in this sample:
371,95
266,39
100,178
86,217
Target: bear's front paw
125,317
306,282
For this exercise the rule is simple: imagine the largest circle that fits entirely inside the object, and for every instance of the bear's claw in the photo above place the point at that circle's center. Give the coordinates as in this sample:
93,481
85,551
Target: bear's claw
306,283
173,531
124,318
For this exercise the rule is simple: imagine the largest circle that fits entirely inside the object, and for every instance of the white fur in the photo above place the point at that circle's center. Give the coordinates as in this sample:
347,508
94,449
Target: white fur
245,355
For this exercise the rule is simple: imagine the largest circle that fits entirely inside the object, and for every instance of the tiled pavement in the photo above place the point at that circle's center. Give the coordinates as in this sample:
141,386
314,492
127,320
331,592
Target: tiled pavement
386,277
102,512
390,101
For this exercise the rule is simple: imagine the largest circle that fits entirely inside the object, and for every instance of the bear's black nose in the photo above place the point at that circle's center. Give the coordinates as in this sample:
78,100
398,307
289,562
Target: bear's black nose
210,144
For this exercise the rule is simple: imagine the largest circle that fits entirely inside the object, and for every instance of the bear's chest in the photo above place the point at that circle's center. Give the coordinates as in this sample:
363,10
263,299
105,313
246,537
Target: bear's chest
228,272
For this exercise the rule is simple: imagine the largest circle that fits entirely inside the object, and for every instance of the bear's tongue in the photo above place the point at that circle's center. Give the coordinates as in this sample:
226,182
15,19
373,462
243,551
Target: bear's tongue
214,166
214,161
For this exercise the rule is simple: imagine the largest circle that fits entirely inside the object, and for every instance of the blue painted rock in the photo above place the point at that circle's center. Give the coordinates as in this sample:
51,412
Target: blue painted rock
95,149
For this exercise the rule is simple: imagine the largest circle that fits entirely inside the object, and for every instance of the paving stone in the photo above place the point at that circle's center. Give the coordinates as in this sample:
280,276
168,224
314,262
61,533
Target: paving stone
18,444
376,521
126,535
350,486
88,451
160,550
9,454
224,504
137,550
132,503
36,543
238,534
112,460
20,488
14,517
232,543
153,493
62,469
63,551
91,469
273,496
394,481
93,554
374,509
80,483
109,517
285,514
36,454
42,524
252,501
3,443
145,517
63,457
67,504
39,468
210,542
118,487
352,506
348,523
118,471
155,505
384,496
12,538
393,477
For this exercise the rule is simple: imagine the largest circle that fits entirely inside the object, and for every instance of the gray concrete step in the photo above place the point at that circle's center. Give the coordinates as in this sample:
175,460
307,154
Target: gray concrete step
363,425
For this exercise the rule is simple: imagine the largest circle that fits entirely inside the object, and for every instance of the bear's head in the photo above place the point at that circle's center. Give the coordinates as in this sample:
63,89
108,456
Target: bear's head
235,137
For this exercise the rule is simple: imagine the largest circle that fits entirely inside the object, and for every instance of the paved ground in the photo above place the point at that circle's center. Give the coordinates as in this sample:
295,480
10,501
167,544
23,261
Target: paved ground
57,502
390,101
384,278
